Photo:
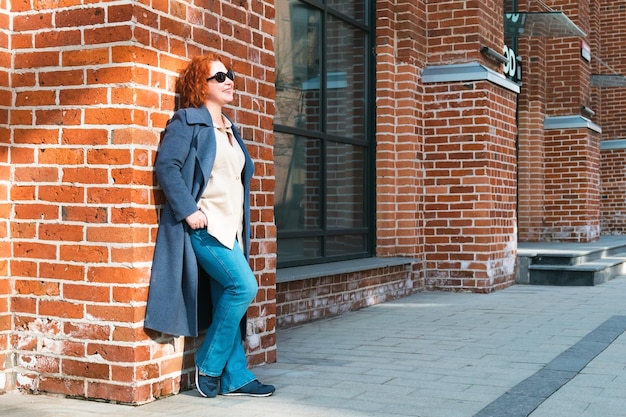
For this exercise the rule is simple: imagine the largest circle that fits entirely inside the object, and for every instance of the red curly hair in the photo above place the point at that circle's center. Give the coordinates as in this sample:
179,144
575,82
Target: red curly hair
192,84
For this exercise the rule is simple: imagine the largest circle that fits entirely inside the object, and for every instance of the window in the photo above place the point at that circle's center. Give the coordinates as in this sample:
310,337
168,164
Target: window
324,133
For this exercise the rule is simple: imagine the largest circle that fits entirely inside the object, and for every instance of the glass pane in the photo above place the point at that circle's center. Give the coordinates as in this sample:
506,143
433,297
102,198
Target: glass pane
345,190
297,163
346,80
321,87
355,9
298,249
345,245
541,25
298,57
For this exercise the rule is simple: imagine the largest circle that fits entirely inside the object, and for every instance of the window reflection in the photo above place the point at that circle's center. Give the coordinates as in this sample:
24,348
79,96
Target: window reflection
345,187
297,163
353,9
346,81
320,130
298,40
295,249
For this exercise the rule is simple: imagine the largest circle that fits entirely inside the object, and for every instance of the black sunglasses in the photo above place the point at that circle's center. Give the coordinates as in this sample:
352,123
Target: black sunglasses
220,77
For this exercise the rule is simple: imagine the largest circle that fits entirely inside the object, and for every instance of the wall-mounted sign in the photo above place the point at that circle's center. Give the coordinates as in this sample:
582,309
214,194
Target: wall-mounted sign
511,63
585,51
514,24
512,68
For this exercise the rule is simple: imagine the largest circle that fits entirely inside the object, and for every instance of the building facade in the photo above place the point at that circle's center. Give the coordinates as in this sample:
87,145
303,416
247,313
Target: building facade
399,146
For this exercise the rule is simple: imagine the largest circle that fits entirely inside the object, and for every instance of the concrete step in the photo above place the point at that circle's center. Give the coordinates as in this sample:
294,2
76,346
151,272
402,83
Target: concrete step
572,264
589,273
578,257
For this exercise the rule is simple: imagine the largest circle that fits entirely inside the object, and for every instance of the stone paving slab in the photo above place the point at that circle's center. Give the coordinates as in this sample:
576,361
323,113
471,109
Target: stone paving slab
548,351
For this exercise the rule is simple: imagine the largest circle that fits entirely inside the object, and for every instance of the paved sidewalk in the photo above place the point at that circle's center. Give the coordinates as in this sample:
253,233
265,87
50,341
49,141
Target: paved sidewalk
526,350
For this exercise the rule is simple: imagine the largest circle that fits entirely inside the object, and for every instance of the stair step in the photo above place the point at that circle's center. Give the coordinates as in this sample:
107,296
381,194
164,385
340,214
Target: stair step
571,263
594,265
578,257
583,274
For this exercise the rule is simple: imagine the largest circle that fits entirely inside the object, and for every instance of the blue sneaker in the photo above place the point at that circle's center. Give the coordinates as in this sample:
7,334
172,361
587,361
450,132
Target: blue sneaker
253,389
206,385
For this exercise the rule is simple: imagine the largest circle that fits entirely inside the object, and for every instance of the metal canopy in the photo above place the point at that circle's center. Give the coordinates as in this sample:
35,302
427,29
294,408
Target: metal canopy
608,80
541,25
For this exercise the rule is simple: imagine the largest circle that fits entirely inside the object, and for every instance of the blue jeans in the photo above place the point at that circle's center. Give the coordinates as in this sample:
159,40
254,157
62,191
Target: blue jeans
233,287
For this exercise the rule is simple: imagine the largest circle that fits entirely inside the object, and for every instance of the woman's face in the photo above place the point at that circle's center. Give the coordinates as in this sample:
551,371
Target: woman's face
220,93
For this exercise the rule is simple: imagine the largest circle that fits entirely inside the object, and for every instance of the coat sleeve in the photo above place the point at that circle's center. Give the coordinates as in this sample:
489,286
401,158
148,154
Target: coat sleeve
173,152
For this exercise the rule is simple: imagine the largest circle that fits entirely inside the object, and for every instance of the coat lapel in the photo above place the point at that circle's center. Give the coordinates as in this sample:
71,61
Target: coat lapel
205,146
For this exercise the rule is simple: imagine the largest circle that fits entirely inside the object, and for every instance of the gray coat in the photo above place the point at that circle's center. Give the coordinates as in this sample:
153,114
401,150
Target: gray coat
179,302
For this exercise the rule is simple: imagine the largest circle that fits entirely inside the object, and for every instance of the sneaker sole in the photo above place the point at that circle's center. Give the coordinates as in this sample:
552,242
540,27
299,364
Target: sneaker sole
198,386
245,394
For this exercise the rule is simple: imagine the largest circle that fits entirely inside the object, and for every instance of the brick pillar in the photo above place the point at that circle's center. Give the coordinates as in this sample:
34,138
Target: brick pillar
613,193
470,186
610,104
572,139
470,192
93,87
5,202
572,187
531,114
400,55
558,159
84,132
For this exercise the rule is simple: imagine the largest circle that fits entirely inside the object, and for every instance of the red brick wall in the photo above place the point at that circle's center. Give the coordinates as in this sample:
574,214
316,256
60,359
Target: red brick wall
90,101
426,137
568,75
531,160
469,154
559,169
399,143
572,187
613,198
613,111
457,29
610,104
612,40
567,86
596,15
566,159
307,300
5,205
470,186
87,102
400,56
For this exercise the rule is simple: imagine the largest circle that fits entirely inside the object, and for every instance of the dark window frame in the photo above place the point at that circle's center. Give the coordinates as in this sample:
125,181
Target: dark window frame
368,230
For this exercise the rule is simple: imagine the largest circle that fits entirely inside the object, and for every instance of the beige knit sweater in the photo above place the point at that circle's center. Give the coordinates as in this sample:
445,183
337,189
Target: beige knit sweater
222,200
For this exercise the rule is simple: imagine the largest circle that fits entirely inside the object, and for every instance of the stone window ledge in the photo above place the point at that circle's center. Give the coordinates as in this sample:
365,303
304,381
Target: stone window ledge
299,273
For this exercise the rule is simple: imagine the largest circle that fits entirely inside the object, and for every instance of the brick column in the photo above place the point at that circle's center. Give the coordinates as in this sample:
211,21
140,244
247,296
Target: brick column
470,186
400,55
572,187
5,202
88,104
469,130
531,114
610,104
93,87
613,180
572,139
558,144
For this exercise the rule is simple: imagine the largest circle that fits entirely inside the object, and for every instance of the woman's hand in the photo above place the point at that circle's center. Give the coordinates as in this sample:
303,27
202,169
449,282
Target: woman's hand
196,220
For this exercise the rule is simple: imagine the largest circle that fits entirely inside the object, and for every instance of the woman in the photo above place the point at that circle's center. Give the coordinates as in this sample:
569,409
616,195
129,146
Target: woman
204,170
